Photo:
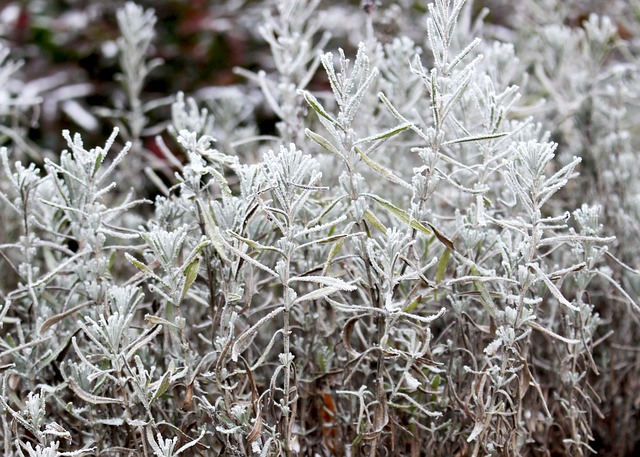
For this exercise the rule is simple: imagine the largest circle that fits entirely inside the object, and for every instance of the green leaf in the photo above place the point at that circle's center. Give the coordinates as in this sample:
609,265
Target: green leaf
221,180
112,258
142,267
317,107
98,162
329,239
163,386
335,249
442,265
475,138
485,296
212,231
255,244
357,441
190,273
323,142
441,269
381,170
399,214
373,220
387,134
392,108
413,305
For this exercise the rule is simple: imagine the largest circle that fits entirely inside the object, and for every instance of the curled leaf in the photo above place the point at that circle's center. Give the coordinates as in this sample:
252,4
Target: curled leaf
441,237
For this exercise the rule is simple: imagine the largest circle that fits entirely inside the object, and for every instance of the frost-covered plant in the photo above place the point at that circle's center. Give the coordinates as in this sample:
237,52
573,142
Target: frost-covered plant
290,33
404,266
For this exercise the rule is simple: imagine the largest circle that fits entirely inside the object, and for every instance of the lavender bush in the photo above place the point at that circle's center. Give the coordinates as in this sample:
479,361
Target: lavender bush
430,246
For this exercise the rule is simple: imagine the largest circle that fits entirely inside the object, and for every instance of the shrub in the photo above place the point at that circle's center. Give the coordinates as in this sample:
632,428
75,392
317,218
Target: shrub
423,256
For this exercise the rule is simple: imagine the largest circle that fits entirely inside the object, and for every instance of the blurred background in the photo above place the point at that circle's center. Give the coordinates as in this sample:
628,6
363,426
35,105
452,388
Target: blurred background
70,55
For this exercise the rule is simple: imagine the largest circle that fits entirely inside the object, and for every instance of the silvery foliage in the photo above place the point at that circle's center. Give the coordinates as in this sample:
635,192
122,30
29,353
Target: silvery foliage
131,113
397,270
589,74
290,30
136,26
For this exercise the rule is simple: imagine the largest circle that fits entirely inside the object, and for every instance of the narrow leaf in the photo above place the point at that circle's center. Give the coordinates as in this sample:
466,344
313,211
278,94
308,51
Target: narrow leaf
392,108
381,170
212,230
192,443
44,279
90,398
249,259
317,107
141,266
255,244
425,319
477,429
246,338
323,142
330,239
347,330
155,320
441,237
442,265
141,341
387,134
534,325
190,273
317,294
111,421
254,434
470,47
325,280
373,220
552,287
475,138
15,348
163,386
97,163
354,102
400,214
413,305
335,249
485,297
58,317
